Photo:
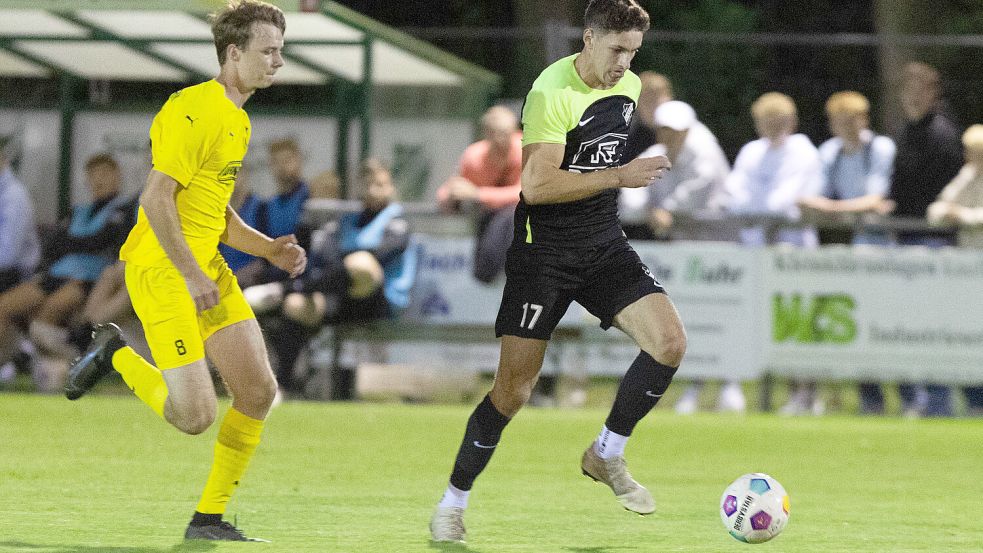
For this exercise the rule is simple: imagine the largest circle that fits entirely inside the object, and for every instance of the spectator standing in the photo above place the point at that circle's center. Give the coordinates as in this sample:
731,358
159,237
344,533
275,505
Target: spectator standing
699,170
488,175
633,203
699,166
20,249
856,163
771,174
857,166
929,157
961,203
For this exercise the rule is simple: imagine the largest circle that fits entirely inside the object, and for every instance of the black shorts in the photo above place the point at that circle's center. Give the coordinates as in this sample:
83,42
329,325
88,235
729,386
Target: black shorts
542,280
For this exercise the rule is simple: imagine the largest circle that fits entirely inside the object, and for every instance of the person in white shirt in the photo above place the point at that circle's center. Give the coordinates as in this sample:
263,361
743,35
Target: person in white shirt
961,203
772,173
699,167
770,176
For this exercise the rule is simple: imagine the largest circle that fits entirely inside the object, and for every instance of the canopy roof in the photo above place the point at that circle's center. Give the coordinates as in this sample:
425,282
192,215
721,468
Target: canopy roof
176,45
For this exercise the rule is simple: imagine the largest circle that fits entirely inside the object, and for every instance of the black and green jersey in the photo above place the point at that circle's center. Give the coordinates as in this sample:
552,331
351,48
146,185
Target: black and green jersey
593,125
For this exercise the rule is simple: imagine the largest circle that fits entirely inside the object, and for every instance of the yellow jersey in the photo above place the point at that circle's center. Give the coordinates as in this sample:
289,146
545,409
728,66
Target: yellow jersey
199,139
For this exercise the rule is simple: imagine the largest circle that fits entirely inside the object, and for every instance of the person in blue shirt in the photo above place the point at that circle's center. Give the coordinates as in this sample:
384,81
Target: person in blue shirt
280,215
20,249
79,251
247,268
362,267
856,163
857,166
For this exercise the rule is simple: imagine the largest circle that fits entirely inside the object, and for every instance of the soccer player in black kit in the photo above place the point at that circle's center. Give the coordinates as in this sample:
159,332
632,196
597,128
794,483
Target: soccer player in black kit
569,246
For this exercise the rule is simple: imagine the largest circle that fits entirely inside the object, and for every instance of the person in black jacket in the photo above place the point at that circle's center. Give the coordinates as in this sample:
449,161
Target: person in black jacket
929,156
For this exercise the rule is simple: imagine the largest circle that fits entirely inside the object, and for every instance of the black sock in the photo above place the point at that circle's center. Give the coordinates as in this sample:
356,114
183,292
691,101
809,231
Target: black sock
640,389
480,438
202,519
80,335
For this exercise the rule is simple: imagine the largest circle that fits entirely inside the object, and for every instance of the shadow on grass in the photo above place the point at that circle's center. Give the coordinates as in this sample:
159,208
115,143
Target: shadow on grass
601,549
184,547
450,547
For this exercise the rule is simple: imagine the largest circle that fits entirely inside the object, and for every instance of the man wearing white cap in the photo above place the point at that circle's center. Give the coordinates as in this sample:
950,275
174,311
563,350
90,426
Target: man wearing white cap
699,169
699,165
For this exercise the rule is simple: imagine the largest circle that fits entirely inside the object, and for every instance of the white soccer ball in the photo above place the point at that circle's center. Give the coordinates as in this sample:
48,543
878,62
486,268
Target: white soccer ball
754,508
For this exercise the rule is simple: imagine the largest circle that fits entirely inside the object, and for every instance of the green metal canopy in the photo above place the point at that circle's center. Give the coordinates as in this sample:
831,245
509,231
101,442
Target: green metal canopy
146,42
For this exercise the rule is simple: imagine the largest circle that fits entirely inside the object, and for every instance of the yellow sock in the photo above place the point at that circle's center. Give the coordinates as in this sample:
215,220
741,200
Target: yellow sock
144,379
237,440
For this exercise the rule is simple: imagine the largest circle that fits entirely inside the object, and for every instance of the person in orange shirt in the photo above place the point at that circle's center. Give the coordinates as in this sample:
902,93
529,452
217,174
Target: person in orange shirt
488,178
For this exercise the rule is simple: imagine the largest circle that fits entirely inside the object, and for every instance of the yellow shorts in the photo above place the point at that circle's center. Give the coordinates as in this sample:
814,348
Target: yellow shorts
175,331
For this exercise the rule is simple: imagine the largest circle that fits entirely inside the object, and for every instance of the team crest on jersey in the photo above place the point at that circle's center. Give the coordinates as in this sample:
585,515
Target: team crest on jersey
230,172
627,111
604,151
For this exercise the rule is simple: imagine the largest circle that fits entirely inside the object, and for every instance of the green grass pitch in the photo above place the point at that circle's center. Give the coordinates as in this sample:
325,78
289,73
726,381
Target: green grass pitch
104,475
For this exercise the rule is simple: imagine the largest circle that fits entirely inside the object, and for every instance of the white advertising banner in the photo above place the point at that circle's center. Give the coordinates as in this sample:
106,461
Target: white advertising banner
883,314
711,284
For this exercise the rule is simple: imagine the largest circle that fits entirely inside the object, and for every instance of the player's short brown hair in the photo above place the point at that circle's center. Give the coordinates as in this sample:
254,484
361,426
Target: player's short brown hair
101,159
617,16
234,23
847,102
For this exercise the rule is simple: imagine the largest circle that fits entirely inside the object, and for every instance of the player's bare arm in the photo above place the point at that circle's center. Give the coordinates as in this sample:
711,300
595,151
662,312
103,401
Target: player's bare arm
543,182
158,203
282,251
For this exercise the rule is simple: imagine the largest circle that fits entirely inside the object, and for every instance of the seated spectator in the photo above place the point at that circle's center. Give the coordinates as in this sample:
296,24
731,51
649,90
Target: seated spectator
79,252
961,203
280,215
325,184
773,172
109,301
247,268
361,269
488,175
20,250
857,165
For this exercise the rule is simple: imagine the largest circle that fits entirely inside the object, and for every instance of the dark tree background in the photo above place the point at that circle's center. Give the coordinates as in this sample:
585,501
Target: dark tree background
721,79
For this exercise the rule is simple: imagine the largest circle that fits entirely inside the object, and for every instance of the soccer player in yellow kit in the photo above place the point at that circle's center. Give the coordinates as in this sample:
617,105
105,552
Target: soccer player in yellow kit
186,296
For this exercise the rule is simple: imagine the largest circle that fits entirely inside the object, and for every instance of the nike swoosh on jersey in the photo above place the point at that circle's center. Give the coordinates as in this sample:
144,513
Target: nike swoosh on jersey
650,394
585,121
476,444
